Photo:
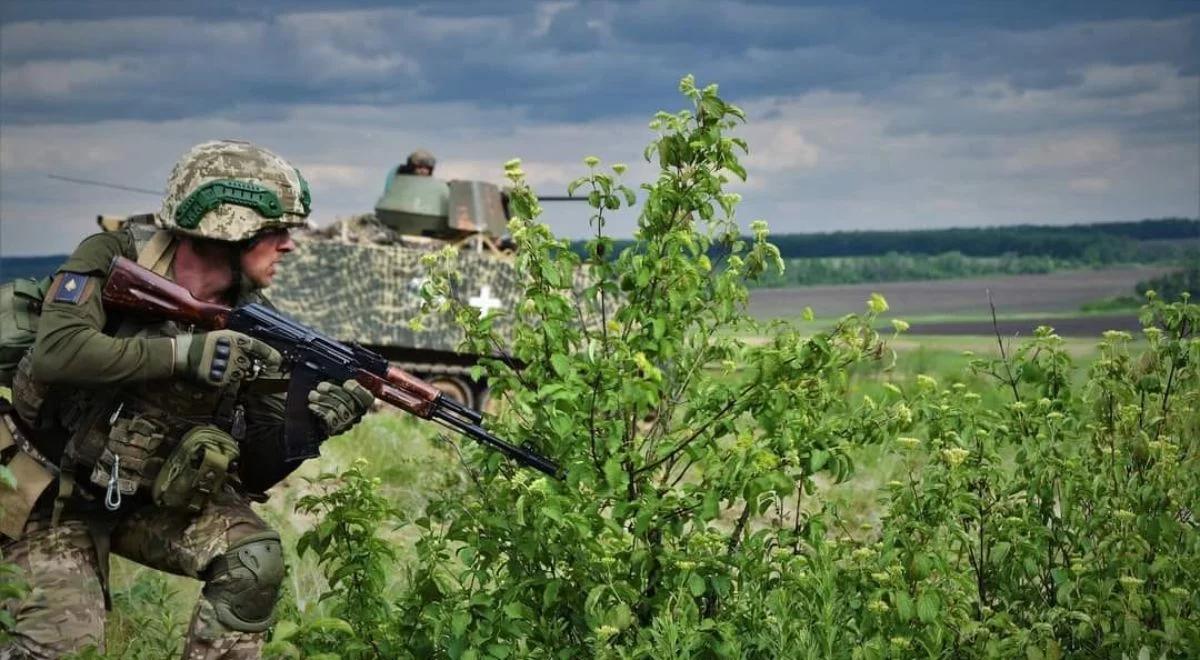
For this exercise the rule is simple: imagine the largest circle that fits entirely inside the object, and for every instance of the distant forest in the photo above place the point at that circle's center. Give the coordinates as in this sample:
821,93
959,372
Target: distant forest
1099,240
1102,242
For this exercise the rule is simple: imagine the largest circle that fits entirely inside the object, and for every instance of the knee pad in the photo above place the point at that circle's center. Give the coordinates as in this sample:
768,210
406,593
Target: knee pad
243,583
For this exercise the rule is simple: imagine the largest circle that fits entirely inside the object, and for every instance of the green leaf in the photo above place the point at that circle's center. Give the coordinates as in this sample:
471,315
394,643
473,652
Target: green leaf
904,605
927,607
281,649
877,303
550,594
696,585
459,622
515,610
614,474
284,630
817,460
1000,551
710,507
561,364
331,624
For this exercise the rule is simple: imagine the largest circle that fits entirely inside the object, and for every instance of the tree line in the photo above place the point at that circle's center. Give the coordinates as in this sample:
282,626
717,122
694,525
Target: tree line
1093,243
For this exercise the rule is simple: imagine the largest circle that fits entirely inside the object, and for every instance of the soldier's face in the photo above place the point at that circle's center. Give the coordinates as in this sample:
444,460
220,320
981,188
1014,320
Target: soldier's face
260,259
423,170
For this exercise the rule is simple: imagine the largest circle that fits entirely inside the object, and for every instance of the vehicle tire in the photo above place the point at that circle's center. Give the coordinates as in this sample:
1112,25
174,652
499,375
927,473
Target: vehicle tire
455,387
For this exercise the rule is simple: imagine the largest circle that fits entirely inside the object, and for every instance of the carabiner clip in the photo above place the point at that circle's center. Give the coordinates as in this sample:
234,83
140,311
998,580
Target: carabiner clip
112,497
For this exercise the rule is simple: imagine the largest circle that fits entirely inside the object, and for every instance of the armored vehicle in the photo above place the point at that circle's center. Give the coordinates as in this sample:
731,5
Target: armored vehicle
359,279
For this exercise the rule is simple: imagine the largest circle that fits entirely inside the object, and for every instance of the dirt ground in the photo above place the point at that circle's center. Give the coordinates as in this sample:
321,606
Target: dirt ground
1014,294
1081,326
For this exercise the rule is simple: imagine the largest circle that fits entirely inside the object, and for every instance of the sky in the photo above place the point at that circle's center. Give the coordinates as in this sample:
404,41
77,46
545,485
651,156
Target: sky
861,114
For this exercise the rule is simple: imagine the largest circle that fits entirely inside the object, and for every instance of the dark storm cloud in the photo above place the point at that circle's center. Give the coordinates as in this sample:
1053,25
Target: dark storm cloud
79,61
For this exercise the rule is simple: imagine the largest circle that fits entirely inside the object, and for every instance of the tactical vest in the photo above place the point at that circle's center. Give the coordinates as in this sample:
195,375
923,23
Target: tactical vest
119,440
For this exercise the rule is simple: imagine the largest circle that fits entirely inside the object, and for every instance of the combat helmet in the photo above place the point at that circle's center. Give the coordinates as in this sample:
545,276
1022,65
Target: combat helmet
230,190
420,158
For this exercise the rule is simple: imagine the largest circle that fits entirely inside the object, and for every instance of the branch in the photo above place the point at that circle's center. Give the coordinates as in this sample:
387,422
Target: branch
695,434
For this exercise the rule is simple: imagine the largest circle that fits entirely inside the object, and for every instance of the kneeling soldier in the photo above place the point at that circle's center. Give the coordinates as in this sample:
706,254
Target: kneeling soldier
158,435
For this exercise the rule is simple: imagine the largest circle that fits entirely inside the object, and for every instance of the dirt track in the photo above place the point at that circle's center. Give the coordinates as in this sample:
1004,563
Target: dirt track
1025,295
1082,326
1013,294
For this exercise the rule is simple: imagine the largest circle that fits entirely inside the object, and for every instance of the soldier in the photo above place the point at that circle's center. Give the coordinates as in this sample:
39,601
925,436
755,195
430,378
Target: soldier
420,163
162,436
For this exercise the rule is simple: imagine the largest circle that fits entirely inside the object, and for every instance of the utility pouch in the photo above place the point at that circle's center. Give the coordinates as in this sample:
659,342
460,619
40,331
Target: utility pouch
31,475
20,309
129,461
196,469
28,395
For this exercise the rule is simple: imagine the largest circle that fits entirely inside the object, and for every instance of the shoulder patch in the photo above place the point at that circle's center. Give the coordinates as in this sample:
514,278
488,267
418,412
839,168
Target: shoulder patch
73,288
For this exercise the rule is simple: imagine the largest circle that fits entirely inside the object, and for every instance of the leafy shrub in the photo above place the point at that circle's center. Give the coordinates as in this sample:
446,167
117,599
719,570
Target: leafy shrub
691,519
146,623
356,560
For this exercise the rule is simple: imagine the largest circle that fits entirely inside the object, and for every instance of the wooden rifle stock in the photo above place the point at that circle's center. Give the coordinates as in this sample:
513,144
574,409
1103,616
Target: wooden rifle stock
136,290
401,389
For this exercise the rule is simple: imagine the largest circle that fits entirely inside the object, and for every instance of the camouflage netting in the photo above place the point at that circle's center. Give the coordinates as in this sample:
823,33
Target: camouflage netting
368,293
365,228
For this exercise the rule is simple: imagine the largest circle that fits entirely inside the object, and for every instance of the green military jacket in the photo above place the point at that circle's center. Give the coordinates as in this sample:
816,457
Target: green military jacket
82,352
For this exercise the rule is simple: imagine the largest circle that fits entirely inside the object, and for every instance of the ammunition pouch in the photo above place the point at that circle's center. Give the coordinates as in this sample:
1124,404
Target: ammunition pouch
33,473
129,459
195,469
28,395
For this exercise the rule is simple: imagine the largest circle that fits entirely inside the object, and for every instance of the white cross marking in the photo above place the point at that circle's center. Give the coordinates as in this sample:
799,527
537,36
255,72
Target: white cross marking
484,302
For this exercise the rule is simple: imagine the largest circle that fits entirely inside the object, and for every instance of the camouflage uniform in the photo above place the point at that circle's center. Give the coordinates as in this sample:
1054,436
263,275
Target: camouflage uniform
83,358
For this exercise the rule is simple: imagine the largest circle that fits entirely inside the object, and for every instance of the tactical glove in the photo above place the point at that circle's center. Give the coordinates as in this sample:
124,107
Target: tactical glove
339,406
223,357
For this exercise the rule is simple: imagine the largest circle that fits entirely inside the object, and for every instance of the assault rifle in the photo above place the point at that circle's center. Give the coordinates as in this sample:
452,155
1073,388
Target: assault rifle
312,357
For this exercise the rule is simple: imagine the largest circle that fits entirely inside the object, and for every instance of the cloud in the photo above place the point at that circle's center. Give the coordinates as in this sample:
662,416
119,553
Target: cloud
1093,184
1081,151
56,80
863,114
781,147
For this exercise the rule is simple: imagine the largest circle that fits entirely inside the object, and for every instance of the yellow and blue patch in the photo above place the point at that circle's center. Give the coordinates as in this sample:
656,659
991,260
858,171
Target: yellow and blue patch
71,288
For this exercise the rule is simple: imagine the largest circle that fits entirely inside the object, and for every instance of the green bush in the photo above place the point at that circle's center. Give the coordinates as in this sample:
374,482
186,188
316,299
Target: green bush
692,517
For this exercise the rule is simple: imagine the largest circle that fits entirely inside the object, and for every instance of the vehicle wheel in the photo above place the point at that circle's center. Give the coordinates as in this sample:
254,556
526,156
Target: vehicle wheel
454,387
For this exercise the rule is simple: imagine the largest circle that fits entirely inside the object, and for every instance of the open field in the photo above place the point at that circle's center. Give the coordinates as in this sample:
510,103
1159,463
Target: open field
1032,297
